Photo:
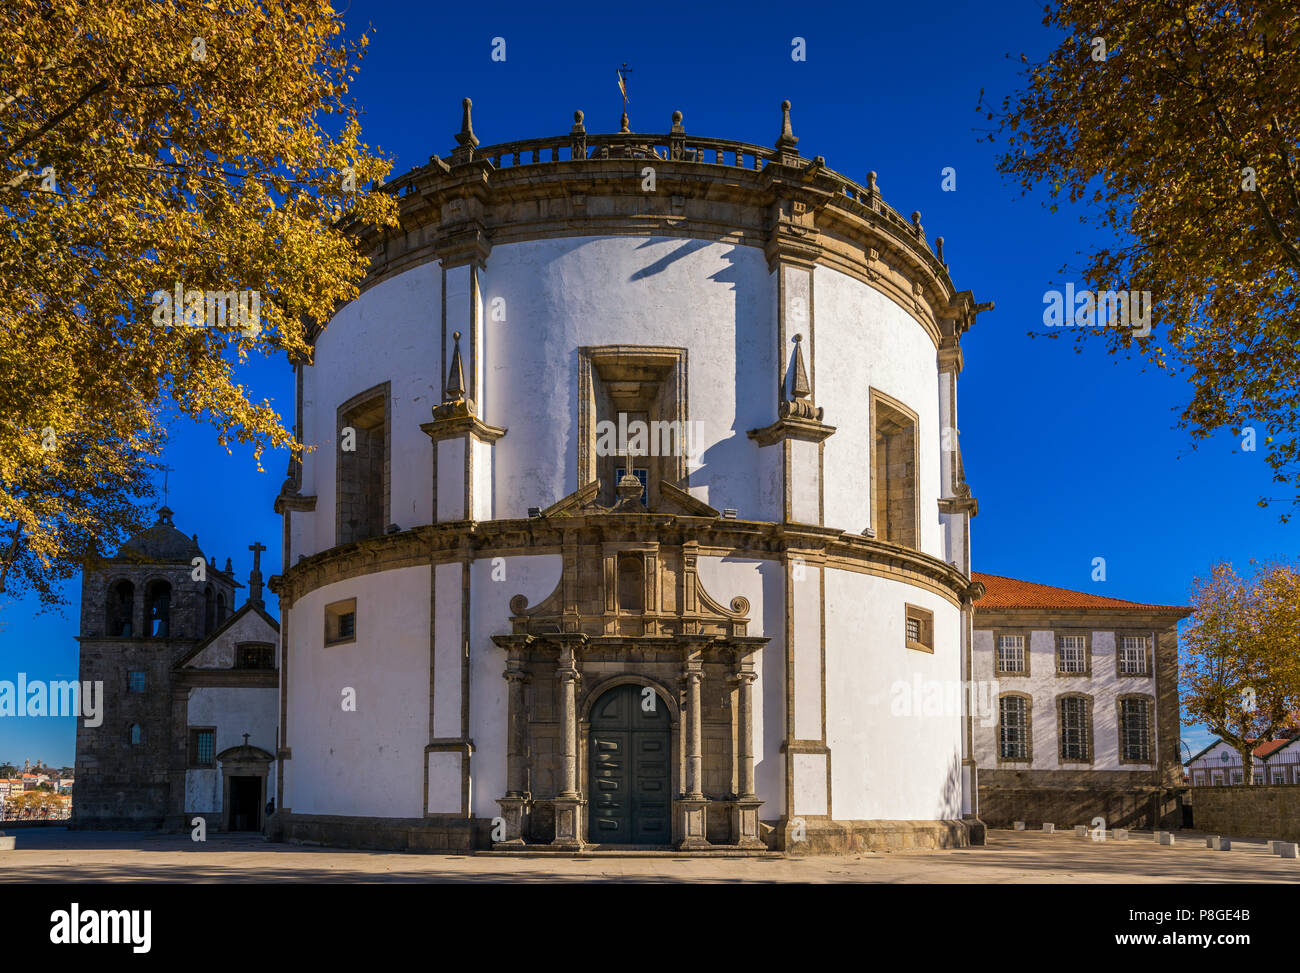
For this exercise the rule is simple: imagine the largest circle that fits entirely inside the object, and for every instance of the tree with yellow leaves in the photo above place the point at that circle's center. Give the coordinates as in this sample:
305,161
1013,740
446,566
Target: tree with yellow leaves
177,184
1240,672
1177,123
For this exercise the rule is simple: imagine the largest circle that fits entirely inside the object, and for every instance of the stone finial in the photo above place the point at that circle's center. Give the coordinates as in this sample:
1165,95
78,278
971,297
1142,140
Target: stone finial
624,129
801,388
456,374
465,138
916,223
578,128
938,242
229,568
466,134
677,123
787,139
871,182
165,515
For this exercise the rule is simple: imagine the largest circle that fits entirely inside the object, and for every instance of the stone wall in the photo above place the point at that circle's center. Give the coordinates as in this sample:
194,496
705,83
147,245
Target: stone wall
1257,811
1133,807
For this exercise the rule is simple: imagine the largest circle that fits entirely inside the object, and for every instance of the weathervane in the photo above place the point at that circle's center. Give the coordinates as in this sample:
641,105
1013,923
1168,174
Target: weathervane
623,72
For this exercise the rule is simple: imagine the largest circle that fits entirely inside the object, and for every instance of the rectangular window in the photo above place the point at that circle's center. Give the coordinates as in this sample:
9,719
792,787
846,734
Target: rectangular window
136,682
894,510
1199,779
1135,729
341,622
1279,777
1235,777
1013,728
1071,654
1133,655
203,748
362,481
1075,738
1258,778
919,629
256,657
1011,653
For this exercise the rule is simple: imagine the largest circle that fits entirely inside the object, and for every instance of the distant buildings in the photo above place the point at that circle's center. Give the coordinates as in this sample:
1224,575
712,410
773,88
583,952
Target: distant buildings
1219,764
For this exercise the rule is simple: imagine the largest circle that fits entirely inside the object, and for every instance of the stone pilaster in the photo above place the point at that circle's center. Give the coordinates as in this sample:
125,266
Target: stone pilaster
692,808
569,803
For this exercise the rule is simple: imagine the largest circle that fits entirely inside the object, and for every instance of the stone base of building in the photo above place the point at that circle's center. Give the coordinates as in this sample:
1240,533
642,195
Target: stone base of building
854,837
1134,807
386,834
461,835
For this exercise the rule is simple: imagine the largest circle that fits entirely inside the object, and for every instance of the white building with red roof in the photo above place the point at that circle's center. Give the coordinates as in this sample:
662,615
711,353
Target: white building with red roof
1079,719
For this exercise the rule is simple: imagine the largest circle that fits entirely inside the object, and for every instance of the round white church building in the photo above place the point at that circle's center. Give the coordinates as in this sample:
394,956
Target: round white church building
635,515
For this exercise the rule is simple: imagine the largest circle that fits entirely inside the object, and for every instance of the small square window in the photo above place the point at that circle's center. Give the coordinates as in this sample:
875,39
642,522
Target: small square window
255,656
1011,654
919,629
341,622
203,747
136,682
1072,655
1133,655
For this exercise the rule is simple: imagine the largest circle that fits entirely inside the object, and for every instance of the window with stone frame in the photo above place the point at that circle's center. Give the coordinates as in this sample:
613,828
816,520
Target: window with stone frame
1279,775
1198,779
1216,779
364,466
203,749
1072,655
136,681
1135,714
1011,656
1074,728
1236,777
1133,655
632,419
135,735
895,513
1258,777
255,655
1013,727
919,628
341,622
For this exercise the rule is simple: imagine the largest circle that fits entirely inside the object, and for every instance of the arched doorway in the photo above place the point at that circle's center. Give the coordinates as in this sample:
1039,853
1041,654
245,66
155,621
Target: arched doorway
628,769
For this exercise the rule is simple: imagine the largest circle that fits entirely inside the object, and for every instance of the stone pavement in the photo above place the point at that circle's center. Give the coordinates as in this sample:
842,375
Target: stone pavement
59,855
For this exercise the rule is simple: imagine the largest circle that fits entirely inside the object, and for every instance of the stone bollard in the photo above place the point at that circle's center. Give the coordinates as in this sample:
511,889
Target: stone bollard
1289,849
1119,834
1049,828
1165,837
6,844
1081,831
1216,842
1275,847
1018,825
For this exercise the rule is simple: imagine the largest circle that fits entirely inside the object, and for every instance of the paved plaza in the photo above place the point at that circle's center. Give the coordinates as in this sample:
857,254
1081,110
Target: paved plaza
59,855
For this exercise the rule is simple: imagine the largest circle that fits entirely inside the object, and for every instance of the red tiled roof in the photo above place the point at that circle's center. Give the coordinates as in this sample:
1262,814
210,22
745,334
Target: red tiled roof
1003,592
1269,747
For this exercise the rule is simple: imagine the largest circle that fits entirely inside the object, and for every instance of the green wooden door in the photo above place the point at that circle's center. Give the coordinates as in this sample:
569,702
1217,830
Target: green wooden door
628,785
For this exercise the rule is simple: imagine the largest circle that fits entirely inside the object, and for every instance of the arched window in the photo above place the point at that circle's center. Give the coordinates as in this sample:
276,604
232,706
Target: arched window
120,610
135,734
159,603
1014,737
895,514
209,611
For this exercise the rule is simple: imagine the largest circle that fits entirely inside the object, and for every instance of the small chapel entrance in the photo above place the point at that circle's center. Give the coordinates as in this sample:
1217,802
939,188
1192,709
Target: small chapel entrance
628,769
245,804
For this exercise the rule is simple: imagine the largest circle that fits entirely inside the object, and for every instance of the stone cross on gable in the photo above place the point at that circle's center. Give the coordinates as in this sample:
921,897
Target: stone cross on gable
246,735
255,576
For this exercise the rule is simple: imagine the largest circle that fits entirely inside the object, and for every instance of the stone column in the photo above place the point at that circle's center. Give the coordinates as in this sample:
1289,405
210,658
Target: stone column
692,808
568,804
744,813
514,806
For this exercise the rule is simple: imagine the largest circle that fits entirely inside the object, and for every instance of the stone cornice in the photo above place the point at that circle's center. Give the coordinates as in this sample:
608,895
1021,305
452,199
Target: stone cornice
714,537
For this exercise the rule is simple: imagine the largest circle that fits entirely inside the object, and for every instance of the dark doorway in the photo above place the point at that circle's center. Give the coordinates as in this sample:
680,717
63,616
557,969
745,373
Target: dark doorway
245,803
628,771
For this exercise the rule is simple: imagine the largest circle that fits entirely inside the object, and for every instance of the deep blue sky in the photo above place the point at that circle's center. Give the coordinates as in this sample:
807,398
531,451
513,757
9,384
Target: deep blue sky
1072,456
